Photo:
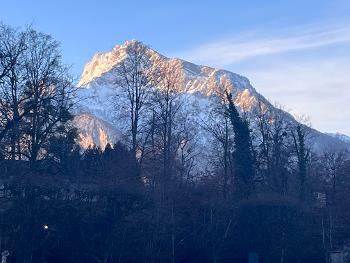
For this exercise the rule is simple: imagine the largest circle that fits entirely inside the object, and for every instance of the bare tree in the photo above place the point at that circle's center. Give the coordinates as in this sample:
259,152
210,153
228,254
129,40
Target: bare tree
133,78
166,106
280,150
35,91
333,162
263,120
49,90
12,95
299,133
218,125
167,151
272,145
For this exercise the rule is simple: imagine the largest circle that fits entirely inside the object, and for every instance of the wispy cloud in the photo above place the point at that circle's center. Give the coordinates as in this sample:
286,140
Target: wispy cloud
316,84
232,50
319,88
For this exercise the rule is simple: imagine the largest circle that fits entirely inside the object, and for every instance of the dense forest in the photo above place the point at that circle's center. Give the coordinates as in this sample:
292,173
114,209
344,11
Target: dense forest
269,194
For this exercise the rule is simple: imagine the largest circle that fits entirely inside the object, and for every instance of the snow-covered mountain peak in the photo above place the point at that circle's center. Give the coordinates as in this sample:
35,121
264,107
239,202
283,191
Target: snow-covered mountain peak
99,97
197,79
103,62
198,84
100,64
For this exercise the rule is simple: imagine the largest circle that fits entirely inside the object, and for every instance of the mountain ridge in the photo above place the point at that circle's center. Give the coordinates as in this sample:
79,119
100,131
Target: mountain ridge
200,85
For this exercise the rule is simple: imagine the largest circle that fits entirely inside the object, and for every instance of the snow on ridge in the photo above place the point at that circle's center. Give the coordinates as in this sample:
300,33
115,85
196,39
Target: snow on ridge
198,78
94,131
340,136
200,83
103,62
97,92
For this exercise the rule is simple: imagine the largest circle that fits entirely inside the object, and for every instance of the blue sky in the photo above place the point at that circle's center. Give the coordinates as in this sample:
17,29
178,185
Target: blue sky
294,52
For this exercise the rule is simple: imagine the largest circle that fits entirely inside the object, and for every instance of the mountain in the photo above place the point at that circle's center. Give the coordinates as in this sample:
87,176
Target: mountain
340,136
95,131
98,97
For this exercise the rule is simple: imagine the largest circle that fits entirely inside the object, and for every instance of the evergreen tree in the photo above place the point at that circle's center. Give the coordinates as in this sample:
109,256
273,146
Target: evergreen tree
118,163
243,157
92,162
64,151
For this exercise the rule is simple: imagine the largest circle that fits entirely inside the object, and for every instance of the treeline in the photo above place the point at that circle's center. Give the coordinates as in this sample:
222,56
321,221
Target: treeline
145,200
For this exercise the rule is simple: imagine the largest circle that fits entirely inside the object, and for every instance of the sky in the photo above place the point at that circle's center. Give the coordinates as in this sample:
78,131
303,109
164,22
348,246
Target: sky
295,52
